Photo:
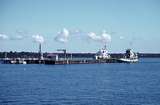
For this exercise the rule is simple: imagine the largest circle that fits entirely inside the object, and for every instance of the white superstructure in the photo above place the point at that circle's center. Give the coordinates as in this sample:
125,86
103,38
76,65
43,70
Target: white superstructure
102,54
129,57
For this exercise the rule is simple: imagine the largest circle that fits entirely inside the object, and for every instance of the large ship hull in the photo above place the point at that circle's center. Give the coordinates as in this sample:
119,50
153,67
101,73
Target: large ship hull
127,60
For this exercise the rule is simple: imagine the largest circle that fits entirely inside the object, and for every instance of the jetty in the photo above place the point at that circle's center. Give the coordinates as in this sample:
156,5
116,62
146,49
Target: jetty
52,61
102,56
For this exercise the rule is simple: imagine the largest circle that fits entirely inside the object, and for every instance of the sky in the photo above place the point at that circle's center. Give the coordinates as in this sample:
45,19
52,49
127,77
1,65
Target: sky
79,25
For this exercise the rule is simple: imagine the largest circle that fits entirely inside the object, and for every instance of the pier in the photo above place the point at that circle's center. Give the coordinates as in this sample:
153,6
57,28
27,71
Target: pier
51,61
102,56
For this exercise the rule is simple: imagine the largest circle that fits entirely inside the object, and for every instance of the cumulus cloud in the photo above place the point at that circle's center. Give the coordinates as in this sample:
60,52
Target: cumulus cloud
20,35
62,36
38,38
94,37
3,37
104,37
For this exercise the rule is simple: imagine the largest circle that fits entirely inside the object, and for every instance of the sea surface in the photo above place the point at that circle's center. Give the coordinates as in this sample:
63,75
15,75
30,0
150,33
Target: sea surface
81,84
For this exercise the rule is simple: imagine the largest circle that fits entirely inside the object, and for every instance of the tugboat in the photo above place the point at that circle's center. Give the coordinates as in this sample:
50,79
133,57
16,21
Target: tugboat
102,54
129,57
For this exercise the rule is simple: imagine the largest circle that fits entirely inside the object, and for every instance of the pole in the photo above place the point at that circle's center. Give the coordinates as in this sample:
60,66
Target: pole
39,51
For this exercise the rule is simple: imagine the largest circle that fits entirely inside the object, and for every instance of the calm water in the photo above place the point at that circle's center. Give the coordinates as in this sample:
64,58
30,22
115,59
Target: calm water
83,84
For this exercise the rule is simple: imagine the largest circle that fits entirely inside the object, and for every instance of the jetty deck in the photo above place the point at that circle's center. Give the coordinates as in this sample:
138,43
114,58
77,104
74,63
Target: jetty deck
56,62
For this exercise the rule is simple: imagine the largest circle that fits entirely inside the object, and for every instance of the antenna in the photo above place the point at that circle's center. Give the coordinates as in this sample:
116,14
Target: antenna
39,47
105,46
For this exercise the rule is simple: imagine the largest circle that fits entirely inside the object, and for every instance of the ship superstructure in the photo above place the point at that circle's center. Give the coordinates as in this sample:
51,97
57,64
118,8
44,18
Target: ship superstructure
102,54
129,57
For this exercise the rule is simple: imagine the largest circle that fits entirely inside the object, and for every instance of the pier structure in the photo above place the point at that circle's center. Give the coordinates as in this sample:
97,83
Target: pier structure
55,61
102,56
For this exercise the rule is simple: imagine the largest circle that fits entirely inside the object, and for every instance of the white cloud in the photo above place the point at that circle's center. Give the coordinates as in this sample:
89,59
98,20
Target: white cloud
62,36
38,38
93,36
3,37
104,37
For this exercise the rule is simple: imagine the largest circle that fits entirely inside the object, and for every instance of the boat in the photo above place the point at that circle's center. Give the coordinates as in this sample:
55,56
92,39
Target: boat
129,57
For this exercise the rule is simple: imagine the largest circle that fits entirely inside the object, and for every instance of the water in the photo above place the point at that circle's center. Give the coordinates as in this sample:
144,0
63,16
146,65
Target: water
83,84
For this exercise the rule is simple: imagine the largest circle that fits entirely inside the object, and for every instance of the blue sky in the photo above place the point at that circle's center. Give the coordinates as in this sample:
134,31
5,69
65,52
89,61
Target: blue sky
131,23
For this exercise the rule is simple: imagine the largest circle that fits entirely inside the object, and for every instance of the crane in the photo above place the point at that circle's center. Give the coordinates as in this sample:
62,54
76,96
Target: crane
64,51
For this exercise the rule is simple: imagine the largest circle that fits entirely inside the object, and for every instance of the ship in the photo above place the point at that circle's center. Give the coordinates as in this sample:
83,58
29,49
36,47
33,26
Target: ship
129,57
102,54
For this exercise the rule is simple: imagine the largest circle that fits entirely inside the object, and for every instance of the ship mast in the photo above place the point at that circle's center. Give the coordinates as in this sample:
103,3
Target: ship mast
105,46
40,52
